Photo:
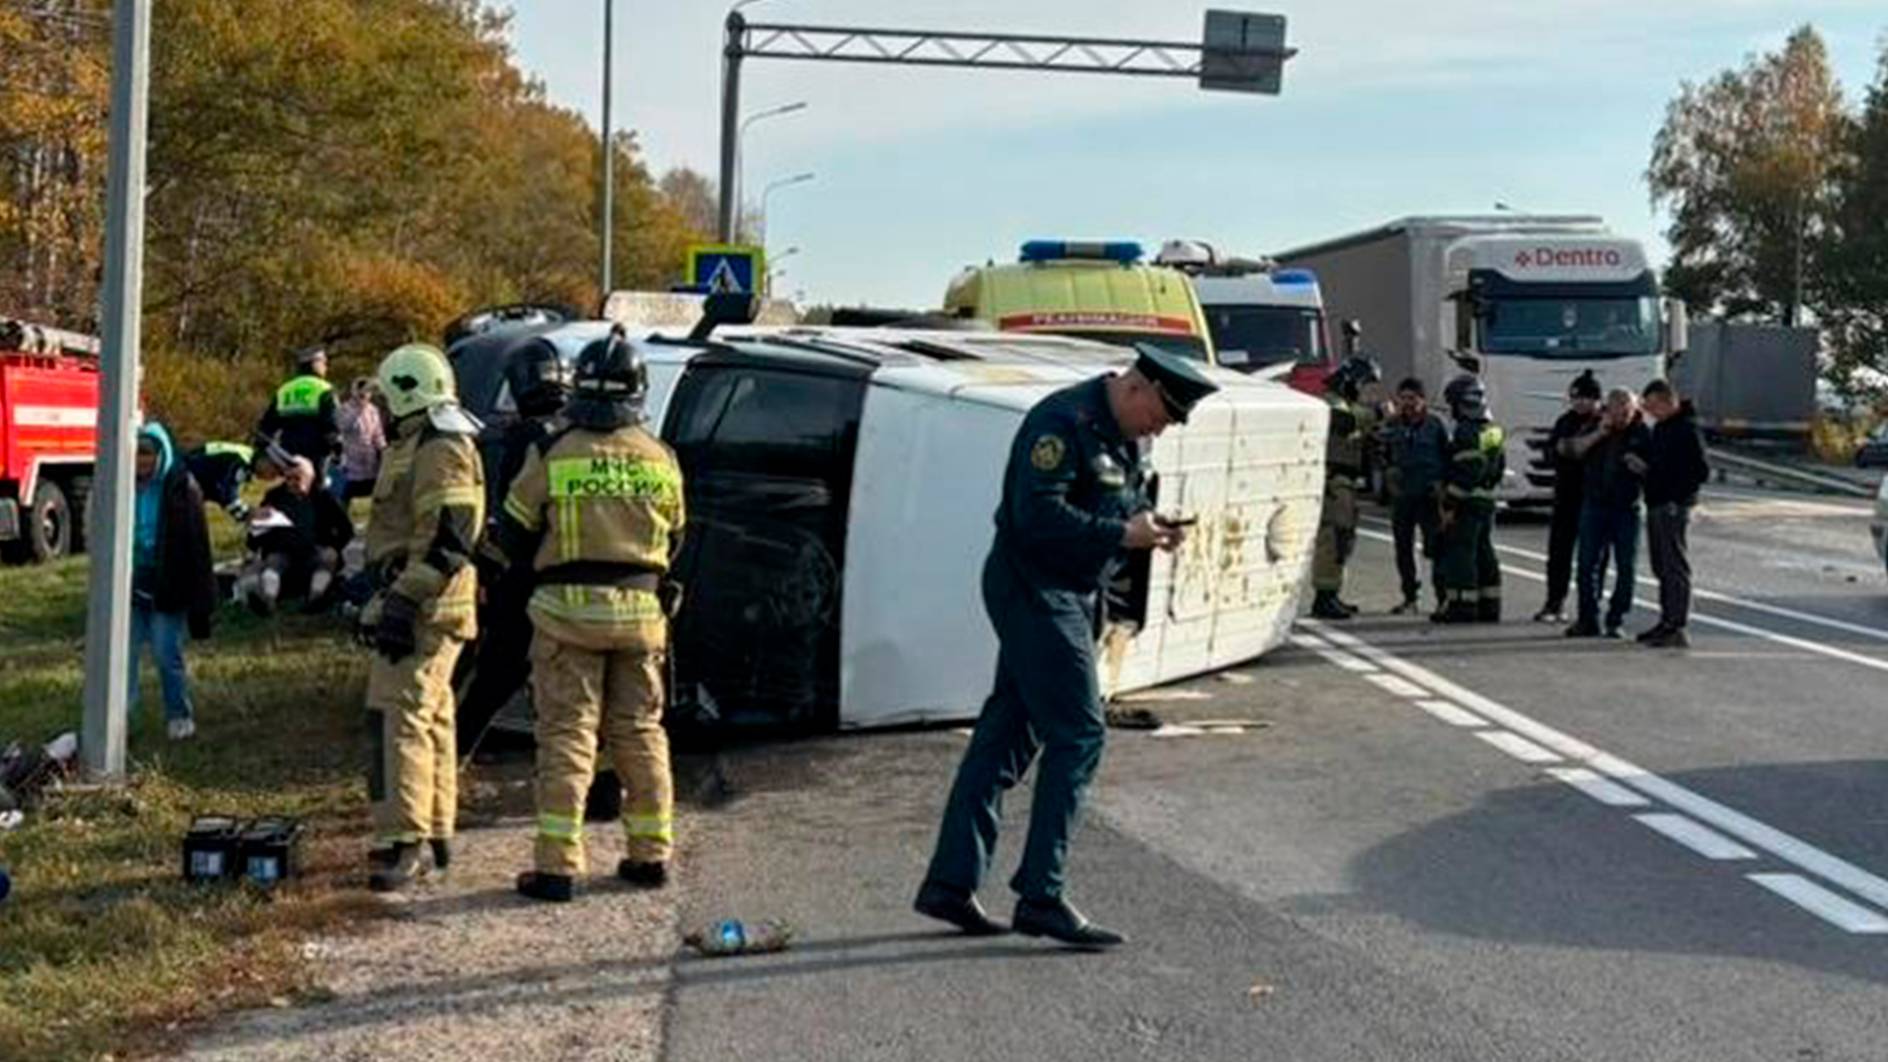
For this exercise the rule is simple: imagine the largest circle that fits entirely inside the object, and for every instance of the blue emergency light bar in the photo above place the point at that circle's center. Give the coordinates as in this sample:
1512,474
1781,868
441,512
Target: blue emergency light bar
1125,252
1295,277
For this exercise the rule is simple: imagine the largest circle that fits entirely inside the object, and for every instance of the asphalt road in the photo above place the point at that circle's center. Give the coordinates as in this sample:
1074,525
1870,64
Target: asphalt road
1465,843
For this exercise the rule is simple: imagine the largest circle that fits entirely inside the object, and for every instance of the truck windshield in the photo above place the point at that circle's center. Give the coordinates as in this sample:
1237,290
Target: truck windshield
1569,327
1186,346
1253,337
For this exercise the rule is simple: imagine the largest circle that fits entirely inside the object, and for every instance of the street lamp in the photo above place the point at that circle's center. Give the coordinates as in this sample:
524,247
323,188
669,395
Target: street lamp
774,274
798,178
740,164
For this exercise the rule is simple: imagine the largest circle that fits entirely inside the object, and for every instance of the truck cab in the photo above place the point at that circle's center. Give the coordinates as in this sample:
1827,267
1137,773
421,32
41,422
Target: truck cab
1532,312
1093,290
1263,319
48,439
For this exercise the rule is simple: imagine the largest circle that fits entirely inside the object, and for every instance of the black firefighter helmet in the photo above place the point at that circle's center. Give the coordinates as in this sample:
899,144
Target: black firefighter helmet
1467,398
1355,373
611,383
537,378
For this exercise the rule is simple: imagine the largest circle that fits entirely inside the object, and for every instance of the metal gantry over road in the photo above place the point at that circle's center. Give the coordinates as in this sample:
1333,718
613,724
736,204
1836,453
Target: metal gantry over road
1238,52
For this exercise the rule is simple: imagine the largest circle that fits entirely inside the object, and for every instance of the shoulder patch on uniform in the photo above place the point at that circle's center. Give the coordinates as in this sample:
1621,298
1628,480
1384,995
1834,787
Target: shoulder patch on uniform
1048,452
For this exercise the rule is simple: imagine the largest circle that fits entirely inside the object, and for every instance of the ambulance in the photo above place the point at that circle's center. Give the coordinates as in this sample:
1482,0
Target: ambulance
1263,319
1094,290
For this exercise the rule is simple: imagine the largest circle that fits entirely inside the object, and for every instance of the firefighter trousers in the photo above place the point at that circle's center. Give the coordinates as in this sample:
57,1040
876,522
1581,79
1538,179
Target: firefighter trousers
413,780
1469,571
1337,537
578,692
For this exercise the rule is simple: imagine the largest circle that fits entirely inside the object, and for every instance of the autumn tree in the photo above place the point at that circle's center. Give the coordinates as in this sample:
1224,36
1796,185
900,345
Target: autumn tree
1854,266
1745,162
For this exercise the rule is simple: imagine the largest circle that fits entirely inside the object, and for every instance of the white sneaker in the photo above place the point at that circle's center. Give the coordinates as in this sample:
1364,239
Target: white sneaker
271,585
181,729
318,584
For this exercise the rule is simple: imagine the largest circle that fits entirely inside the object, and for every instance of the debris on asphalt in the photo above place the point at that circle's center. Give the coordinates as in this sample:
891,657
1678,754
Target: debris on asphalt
1259,992
734,937
1131,719
1236,678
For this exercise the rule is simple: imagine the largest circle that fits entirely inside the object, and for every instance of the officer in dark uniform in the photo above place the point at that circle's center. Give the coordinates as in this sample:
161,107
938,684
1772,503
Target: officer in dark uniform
1468,573
538,384
301,417
1074,504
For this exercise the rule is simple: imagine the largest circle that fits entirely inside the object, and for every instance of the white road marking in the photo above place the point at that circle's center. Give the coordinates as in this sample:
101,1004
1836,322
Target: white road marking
1790,640
1517,746
1828,906
1703,840
1450,713
1606,792
1401,687
1801,854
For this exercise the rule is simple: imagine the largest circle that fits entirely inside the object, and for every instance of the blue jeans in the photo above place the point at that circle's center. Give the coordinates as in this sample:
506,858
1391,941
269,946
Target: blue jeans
164,632
1607,532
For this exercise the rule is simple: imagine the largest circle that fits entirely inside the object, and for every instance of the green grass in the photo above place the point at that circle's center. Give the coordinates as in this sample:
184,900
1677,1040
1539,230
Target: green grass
102,948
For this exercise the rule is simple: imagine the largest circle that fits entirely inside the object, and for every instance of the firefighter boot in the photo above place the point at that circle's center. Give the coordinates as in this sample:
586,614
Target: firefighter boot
552,888
643,875
442,853
1325,606
1488,610
403,867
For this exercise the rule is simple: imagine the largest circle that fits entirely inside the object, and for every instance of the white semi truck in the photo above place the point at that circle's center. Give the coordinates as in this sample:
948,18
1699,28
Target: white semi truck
1528,302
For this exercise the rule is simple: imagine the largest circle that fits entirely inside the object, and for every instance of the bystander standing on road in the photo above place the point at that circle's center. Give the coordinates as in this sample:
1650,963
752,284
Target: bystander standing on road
1582,416
363,437
1676,471
1418,445
173,585
1614,454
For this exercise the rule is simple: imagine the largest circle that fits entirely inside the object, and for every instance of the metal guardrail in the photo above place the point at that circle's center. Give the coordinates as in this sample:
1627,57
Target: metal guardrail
1725,460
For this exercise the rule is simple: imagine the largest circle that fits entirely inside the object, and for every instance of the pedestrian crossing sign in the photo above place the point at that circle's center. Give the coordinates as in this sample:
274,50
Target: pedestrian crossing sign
725,268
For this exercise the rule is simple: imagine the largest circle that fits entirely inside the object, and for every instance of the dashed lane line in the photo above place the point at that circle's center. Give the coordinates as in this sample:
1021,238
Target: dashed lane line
1621,776
1606,792
1703,840
1517,746
1450,713
1829,906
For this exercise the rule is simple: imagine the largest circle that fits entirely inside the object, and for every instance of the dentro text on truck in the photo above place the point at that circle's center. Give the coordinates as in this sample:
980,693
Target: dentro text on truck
1528,302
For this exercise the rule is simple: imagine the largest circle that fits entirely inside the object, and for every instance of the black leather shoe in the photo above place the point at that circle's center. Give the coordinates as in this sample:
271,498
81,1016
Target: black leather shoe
1652,633
957,908
643,875
555,888
442,853
1325,606
1584,629
1058,920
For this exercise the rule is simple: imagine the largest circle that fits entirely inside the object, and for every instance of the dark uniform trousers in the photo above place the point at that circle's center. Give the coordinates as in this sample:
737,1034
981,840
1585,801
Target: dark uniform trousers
1409,514
1469,569
1047,701
1562,536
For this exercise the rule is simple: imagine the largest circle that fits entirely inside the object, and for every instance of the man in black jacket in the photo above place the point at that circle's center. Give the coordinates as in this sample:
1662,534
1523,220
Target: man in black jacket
1675,470
1582,416
173,586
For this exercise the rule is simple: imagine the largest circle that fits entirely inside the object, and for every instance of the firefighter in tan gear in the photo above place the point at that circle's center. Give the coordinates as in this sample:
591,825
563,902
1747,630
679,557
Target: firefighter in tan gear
597,512
429,505
1353,423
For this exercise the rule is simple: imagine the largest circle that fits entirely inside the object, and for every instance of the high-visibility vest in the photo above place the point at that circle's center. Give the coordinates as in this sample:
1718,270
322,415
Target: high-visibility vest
301,396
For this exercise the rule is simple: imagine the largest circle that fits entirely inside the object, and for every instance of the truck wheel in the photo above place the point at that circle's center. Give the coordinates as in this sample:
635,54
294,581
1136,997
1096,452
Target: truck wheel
79,500
48,530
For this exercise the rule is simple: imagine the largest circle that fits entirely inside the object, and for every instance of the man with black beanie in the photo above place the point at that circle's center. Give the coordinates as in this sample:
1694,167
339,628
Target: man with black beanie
1582,415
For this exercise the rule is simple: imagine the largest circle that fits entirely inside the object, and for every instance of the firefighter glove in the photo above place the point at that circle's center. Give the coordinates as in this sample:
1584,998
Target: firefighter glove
393,635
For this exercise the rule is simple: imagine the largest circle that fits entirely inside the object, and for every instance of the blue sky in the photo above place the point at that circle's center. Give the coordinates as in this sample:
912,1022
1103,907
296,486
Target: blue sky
1390,109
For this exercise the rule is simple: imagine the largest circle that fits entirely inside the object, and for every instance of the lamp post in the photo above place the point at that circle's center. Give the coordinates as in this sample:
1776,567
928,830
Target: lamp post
783,182
740,163
772,273
606,279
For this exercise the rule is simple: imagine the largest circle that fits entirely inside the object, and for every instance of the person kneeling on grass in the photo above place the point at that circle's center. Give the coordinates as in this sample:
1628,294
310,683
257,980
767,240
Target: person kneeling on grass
298,535
173,584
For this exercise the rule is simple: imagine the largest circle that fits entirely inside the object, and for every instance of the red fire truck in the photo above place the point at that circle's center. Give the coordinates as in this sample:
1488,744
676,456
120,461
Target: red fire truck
48,438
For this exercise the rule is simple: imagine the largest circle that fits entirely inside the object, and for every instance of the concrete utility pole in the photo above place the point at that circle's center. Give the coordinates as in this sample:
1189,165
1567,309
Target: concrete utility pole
608,279
1238,52
108,599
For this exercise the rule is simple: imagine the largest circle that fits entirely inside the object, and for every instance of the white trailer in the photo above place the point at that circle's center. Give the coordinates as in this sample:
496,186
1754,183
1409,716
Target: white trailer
1529,302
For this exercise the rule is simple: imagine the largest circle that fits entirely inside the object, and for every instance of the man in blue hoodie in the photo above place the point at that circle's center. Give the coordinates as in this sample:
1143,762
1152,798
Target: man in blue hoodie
173,585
